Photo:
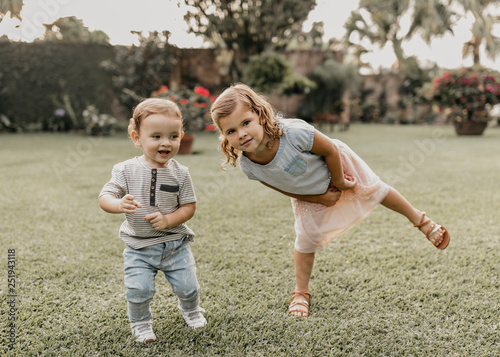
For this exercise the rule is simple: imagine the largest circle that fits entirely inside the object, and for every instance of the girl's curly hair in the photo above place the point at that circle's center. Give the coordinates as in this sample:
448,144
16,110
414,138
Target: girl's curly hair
227,102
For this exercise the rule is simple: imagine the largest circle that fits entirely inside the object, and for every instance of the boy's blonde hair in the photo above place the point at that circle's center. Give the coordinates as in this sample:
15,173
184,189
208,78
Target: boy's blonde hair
227,102
153,106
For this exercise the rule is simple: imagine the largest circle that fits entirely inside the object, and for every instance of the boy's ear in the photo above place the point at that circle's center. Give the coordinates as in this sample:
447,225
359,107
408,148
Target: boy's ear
182,134
135,137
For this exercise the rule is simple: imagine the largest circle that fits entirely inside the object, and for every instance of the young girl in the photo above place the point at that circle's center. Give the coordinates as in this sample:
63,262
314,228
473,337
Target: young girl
332,188
156,194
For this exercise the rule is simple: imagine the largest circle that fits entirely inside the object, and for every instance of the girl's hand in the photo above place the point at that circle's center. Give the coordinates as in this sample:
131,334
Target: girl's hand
330,197
349,182
128,204
157,220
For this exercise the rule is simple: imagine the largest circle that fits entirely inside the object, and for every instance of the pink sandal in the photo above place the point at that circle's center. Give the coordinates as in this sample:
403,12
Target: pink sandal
433,229
294,304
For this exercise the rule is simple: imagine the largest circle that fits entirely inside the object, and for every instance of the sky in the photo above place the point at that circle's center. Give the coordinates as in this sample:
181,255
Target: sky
118,17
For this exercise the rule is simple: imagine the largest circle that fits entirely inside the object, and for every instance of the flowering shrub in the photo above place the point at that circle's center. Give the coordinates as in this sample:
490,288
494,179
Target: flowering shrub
194,103
96,123
468,92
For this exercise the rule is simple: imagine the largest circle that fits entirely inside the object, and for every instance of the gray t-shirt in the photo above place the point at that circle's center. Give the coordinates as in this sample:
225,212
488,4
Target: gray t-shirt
162,190
294,169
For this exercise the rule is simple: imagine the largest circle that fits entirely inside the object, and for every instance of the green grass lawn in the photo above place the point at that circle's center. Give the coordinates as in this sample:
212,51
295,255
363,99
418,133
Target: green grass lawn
382,290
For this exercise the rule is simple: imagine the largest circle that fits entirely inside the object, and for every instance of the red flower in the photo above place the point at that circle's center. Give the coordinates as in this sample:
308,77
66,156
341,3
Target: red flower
184,101
201,91
163,89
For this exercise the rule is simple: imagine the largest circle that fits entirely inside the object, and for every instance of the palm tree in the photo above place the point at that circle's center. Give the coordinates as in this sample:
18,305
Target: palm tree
379,21
430,19
482,29
12,6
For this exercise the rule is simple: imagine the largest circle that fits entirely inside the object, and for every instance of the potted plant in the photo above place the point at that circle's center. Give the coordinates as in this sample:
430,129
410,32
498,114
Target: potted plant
195,107
468,94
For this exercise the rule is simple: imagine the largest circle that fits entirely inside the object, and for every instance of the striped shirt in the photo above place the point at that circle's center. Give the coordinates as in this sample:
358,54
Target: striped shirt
162,190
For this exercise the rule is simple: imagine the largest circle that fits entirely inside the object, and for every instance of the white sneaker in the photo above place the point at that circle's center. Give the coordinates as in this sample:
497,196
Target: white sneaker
143,331
194,318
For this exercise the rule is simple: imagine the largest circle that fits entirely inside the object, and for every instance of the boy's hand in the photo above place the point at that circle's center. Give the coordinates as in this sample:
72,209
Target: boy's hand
330,197
157,220
128,204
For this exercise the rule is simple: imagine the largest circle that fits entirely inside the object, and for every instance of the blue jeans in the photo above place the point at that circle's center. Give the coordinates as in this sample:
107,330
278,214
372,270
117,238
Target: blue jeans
176,261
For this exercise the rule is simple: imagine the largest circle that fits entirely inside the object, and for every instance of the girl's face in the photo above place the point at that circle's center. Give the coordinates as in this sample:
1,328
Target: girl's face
159,138
243,130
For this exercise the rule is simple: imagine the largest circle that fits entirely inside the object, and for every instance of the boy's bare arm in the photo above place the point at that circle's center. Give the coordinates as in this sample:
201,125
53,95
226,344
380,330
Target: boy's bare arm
111,204
183,214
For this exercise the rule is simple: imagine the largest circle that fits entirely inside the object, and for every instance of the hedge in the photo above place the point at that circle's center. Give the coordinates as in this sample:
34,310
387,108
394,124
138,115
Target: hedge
38,78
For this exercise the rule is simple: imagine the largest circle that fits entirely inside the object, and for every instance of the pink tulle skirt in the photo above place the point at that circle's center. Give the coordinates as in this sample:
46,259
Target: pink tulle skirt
317,225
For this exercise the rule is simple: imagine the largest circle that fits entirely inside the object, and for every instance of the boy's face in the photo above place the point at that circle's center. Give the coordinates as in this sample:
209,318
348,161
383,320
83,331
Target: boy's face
160,138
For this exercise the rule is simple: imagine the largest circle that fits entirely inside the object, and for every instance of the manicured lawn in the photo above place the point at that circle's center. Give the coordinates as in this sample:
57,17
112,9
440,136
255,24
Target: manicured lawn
382,290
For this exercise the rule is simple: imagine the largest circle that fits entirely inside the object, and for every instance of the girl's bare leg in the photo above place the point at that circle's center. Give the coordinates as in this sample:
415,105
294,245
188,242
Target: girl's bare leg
303,268
396,202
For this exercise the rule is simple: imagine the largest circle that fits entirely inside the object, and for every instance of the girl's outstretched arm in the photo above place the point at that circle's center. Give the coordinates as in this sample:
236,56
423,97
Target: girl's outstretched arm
329,198
323,146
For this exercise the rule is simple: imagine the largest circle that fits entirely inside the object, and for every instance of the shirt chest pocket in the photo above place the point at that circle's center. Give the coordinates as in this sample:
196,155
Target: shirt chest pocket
296,166
168,196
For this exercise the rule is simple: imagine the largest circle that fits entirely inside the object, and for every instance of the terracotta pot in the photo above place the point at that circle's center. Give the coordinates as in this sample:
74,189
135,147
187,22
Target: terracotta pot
186,147
469,127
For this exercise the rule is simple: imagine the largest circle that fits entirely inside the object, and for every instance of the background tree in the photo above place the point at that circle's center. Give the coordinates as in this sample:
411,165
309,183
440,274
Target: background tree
431,19
140,70
414,78
482,28
308,40
272,72
71,29
247,27
12,6
331,79
379,21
